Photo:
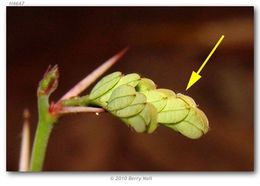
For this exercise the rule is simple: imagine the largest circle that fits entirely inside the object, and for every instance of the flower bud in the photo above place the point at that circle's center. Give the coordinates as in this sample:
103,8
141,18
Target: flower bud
49,82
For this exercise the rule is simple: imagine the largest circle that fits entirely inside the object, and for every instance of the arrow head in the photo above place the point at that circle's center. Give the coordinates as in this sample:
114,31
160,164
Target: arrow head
193,79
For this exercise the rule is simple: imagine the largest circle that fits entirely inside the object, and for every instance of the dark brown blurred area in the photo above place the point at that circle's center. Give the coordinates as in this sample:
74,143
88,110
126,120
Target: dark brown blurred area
166,44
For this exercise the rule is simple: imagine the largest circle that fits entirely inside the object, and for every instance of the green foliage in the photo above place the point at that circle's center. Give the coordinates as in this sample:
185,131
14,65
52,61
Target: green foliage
133,108
138,103
134,100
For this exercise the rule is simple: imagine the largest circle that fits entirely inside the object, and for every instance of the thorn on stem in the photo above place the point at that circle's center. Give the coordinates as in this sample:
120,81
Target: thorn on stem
25,143
93,76
78,109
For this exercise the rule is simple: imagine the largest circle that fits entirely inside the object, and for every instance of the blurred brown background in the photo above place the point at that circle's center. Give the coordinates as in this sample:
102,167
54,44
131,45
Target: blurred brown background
166,44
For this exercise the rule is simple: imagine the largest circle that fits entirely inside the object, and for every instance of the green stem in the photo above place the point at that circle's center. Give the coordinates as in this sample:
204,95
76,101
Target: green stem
80,101
44,128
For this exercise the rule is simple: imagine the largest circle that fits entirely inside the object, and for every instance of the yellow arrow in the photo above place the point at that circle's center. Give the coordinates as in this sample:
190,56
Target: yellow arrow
195,76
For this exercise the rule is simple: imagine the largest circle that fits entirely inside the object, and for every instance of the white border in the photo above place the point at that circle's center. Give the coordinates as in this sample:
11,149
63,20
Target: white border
173,178
136,3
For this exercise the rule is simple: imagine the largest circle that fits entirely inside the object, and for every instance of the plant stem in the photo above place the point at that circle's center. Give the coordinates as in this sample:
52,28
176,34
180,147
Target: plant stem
47,116
81,101
44,128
